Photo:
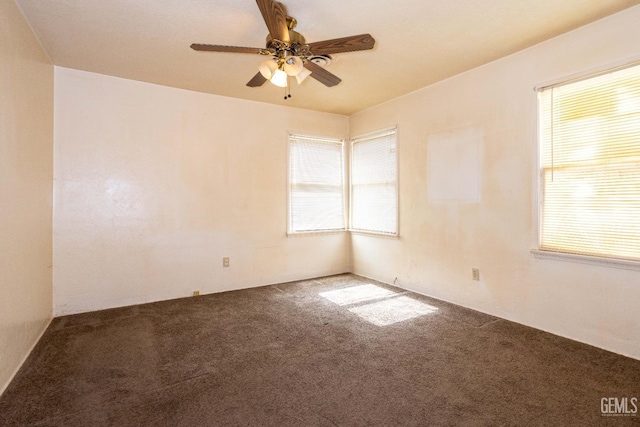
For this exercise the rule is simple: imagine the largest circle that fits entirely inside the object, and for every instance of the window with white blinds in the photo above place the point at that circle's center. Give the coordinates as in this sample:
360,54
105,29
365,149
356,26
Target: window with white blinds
316,184
590,165
374,183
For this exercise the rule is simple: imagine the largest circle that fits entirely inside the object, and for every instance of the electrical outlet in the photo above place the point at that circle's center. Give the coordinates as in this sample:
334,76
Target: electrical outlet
196,293
475,273
225,262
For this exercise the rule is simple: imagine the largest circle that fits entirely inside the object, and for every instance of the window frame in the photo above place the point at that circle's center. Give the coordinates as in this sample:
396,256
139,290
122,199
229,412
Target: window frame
327,139
539,251
363,138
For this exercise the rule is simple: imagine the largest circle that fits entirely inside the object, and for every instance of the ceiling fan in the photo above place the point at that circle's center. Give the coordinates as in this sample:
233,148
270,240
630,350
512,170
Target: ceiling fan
290,54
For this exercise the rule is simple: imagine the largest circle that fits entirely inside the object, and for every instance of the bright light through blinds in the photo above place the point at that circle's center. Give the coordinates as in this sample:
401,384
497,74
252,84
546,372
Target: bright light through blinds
316,184
374,177
590,165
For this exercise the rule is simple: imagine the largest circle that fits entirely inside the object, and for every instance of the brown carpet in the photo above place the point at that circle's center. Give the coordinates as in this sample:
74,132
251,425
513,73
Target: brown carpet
286,355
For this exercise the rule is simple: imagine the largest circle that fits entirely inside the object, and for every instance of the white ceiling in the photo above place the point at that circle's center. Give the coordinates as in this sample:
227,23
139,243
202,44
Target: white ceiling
418,42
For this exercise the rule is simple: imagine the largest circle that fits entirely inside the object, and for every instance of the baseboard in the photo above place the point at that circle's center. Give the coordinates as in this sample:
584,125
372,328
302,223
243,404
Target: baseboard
87,307
3,387
612,349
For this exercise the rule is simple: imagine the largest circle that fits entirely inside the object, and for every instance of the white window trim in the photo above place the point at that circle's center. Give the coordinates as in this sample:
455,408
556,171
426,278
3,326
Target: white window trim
362,138
588,73
626,264
545,254
290,233
379,234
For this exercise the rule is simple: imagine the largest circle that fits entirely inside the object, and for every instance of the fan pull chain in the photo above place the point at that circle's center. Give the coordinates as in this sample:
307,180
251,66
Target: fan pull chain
287,90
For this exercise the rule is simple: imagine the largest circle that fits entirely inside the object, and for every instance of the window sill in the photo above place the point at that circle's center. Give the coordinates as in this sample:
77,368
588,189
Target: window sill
586,259
314,233
375,234
360,232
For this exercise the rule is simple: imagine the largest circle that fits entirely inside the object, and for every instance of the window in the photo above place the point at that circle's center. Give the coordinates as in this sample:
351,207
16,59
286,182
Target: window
374,183
316,184
590,165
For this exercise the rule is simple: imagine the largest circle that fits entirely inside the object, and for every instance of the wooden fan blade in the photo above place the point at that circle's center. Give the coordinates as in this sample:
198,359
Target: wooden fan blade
344,44
218,48
257,80
322,75
275,18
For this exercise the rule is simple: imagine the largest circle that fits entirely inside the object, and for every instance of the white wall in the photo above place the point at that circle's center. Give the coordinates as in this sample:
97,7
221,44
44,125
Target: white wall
26,171
494,228
154,185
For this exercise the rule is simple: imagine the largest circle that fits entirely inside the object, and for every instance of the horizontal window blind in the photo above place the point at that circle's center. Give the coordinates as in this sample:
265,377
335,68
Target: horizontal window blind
590,165
374,183
316,184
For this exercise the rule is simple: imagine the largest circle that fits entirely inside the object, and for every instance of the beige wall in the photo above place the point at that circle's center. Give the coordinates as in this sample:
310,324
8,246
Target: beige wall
154,185
494,228
26,146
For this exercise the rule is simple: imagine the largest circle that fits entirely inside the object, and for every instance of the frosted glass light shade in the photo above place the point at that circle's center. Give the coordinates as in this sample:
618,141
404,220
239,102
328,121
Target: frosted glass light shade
267,68
302,75
293,66
279,78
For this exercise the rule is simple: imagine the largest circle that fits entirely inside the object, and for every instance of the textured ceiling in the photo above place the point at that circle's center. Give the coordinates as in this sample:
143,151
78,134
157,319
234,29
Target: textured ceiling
418,42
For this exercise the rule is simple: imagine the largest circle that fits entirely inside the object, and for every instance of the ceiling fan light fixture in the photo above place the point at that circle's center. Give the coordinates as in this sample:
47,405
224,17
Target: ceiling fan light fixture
293,65
302,75
291,55
267,68
279,78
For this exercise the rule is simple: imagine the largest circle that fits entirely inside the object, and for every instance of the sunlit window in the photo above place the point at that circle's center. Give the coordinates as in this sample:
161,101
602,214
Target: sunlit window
316,184
374,183
590,165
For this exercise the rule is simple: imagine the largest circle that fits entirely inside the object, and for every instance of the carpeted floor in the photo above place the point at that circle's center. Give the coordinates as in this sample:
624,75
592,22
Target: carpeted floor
335,351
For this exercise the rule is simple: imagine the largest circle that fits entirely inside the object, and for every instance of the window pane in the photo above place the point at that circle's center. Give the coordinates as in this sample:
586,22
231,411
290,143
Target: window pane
316,189
590,165
374,190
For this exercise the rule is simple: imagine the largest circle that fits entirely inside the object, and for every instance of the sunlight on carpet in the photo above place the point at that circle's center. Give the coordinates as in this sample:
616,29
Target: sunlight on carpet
392,310
387,310
356,294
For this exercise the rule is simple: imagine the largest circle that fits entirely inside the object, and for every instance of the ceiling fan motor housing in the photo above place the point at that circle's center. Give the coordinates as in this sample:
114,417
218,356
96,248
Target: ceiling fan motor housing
294,38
